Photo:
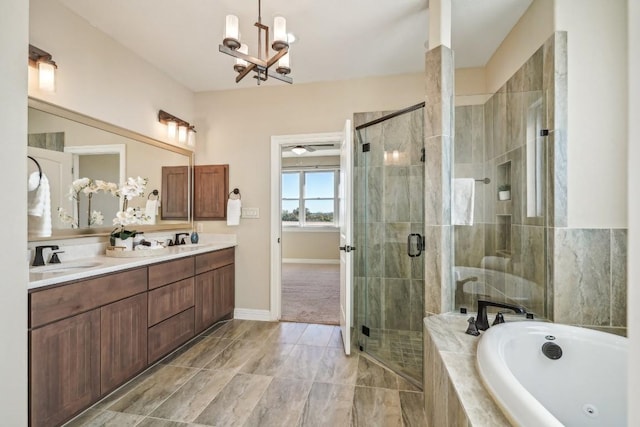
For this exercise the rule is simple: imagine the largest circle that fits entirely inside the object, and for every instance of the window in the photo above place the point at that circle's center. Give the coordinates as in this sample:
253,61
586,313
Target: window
309,198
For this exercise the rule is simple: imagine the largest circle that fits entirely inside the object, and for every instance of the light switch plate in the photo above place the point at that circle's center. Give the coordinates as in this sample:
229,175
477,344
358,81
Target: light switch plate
251,213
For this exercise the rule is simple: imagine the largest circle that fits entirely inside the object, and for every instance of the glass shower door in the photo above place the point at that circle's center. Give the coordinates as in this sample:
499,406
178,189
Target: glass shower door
389,229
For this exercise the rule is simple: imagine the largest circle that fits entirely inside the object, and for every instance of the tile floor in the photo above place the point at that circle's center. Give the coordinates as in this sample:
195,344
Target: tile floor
247,373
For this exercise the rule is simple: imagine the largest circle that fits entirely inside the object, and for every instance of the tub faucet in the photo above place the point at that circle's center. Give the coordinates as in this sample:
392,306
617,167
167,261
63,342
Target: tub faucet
482,323
38,259
468,279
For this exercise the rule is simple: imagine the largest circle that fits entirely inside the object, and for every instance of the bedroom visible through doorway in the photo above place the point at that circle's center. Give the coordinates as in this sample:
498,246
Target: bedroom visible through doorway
310,234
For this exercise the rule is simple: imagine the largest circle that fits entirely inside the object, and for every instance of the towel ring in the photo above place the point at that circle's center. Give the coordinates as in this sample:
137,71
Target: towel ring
153,193
39,169
235,192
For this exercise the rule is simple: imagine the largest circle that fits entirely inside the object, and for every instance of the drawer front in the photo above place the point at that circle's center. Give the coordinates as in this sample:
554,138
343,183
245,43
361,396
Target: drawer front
169,300
168,335
67,300
170,271
213,260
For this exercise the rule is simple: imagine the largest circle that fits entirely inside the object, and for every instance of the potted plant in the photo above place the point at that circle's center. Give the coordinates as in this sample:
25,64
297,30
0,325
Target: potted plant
504,192
120,236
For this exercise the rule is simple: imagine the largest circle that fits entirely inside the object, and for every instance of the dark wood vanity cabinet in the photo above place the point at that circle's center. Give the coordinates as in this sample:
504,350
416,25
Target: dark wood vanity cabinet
210,192
64,366
215,288
88,337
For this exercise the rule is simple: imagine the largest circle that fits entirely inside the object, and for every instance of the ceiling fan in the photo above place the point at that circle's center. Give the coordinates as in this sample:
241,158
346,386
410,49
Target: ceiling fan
300,149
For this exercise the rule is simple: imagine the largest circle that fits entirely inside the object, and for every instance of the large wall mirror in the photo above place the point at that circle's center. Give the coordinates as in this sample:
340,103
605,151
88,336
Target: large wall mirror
67,146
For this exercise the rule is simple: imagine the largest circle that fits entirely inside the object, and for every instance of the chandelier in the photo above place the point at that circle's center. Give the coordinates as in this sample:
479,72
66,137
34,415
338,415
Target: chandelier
261,65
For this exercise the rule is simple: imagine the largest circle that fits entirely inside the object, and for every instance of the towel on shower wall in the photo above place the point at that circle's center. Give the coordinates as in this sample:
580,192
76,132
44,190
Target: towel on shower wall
234,209
39,208
463,201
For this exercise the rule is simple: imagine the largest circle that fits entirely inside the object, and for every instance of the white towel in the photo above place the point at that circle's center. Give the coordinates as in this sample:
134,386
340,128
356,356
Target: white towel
39,208
234,209
463,201
151,211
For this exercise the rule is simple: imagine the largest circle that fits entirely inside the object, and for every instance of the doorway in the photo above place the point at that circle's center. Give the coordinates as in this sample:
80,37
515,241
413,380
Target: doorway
305,275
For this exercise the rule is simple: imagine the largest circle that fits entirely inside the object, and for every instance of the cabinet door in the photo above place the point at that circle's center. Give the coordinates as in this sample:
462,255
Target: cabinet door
175,192
205,300
123,349
64,368
224,294
210,192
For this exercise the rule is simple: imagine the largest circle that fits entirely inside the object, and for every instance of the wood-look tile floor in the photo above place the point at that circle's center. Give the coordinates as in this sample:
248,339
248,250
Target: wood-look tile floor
248,373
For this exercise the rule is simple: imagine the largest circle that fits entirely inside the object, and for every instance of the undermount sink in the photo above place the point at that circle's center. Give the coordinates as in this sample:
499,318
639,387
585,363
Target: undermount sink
64,268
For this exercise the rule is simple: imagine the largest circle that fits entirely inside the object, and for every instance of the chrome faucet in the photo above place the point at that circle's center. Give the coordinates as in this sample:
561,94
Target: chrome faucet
38,259
482,323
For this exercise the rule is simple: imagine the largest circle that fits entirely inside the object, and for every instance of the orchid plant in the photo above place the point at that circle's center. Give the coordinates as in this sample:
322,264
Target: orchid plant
133,187
87,187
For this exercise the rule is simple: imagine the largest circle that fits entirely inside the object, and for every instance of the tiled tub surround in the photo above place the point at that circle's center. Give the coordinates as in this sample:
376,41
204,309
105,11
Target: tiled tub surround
453,391
579,274
80,254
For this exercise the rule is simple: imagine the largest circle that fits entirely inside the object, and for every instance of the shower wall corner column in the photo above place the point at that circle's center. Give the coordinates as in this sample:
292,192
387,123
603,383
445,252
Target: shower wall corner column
438,134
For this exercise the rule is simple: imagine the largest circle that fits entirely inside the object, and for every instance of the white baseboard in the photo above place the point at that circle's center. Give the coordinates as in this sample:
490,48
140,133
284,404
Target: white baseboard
309,261
252,314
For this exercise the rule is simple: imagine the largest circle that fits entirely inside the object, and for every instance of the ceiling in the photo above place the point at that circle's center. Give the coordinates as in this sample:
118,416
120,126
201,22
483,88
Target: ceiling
337,39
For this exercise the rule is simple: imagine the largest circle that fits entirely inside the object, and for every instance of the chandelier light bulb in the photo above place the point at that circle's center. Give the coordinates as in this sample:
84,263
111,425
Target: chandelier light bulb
231,32
283,65
241,64
279,33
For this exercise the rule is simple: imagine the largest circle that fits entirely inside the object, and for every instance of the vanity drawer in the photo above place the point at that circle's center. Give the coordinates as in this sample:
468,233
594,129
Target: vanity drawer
213,260
168,300
168,335
63,301
170,271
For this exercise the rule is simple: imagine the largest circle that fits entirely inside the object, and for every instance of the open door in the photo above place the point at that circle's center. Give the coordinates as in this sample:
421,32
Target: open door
345,191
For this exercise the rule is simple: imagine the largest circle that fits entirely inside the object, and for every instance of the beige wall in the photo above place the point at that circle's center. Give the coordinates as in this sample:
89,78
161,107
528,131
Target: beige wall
14,26
99,77
531,31
310,245
235,127
633,303
597,119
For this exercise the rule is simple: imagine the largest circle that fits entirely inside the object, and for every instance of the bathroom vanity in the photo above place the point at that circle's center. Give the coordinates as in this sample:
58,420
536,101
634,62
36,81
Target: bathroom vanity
92,328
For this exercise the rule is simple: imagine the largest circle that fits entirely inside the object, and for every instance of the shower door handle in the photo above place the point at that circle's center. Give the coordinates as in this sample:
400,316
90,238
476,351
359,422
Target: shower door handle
415,240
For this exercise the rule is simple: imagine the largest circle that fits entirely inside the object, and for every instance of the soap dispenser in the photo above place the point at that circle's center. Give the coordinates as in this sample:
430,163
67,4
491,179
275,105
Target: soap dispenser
194,237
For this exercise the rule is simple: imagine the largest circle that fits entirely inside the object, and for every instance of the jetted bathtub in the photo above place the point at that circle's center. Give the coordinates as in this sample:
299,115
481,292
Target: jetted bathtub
578,379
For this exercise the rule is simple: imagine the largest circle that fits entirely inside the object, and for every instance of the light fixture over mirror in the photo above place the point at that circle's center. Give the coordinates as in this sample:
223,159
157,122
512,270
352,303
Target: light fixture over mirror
46,66
175,126
245,63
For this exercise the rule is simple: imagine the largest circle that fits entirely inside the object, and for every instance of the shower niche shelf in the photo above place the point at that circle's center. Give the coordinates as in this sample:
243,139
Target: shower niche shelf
503,175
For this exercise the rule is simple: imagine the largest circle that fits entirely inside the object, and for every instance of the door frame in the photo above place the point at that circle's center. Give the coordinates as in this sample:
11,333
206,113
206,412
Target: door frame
277,142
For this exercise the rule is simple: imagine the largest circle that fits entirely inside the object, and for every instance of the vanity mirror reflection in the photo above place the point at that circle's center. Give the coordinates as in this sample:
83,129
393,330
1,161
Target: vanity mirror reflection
68,146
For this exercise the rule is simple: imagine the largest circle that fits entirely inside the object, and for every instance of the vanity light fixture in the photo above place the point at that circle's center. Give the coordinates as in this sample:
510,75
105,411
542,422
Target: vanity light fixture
261,65
46,68
179,127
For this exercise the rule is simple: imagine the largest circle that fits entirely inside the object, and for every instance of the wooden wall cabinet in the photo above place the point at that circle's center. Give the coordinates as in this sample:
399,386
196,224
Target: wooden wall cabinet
175,193
210,192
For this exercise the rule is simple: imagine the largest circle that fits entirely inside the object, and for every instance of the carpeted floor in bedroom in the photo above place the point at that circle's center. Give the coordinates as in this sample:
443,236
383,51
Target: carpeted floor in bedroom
311,293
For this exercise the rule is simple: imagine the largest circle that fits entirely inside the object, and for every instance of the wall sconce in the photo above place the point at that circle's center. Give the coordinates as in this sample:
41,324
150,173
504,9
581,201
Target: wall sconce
43,61
179,127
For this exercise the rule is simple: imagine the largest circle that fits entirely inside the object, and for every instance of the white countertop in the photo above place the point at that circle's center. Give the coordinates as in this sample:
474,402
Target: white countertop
53,274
